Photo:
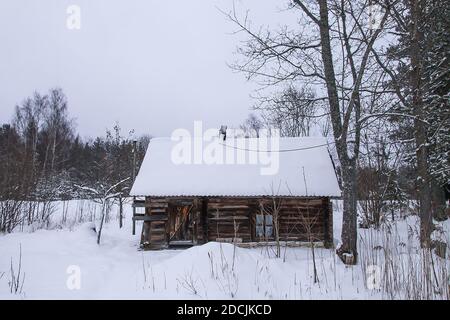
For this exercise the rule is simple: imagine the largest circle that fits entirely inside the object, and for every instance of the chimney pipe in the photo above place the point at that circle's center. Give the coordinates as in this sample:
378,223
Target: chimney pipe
223,131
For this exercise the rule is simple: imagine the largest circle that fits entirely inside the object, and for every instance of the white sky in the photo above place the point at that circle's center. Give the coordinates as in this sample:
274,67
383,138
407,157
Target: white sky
151,65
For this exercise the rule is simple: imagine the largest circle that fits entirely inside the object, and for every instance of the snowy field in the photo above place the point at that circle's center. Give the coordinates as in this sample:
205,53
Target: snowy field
63,261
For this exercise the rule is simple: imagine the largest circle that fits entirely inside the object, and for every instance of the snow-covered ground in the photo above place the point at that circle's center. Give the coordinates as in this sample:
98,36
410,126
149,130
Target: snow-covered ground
65,262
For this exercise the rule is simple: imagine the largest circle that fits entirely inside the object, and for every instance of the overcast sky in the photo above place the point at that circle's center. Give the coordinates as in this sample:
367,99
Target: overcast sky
152,65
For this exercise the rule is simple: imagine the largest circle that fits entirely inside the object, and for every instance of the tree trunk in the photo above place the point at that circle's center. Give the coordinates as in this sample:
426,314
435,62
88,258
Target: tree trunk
348,249
420,133
347,252
99,233
120,211
53,151
316,277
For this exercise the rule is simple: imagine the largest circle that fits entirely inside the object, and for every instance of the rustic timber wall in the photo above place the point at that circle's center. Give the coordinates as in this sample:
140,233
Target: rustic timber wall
298,218
154,233
222,219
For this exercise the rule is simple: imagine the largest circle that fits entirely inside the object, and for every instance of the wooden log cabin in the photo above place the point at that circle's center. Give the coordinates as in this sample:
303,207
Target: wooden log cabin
186,203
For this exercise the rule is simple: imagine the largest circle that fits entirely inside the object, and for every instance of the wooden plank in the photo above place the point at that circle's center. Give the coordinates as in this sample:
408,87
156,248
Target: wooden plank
232,218
181,243
229,240
149,205
204,219
328,224
317,244
157,210
228,207
138,203
159,217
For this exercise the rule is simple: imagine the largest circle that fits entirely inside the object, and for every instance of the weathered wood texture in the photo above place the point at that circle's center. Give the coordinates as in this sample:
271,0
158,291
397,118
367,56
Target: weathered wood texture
234,219
230,218
154,234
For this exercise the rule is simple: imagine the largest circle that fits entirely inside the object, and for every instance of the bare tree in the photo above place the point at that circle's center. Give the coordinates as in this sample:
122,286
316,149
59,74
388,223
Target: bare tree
272,209
309,223
57,132
28,120
252,126
286,55
17,277
103,195
293,111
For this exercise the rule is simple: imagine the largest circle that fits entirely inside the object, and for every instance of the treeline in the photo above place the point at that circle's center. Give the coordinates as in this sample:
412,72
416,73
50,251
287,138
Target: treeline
42,157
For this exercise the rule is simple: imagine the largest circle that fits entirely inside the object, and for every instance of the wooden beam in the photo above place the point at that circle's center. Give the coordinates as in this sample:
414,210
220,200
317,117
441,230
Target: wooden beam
204,219
139,204
138,214
134,213
327,215
156,217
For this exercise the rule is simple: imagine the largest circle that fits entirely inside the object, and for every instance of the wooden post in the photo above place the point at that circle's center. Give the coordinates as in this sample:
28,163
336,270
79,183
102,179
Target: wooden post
195,221
146,226
204,219
145,241
254,206
134,214
134,159
327,216
134,178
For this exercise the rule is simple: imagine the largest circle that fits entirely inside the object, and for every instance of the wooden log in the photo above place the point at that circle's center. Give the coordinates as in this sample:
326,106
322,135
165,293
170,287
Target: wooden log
229,240
204,219
145,239
159,217
328,234
232,218
317,244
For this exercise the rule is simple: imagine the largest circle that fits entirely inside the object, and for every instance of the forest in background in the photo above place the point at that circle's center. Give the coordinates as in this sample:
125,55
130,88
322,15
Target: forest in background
43,158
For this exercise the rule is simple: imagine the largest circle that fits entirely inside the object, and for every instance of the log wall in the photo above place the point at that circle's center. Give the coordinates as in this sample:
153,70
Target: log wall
234,219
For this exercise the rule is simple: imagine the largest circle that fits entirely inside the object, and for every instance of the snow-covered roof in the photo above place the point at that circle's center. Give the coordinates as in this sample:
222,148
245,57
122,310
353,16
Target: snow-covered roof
294,167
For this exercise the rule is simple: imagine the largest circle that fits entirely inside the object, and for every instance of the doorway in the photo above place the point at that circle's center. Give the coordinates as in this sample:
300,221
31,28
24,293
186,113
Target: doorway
181,223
